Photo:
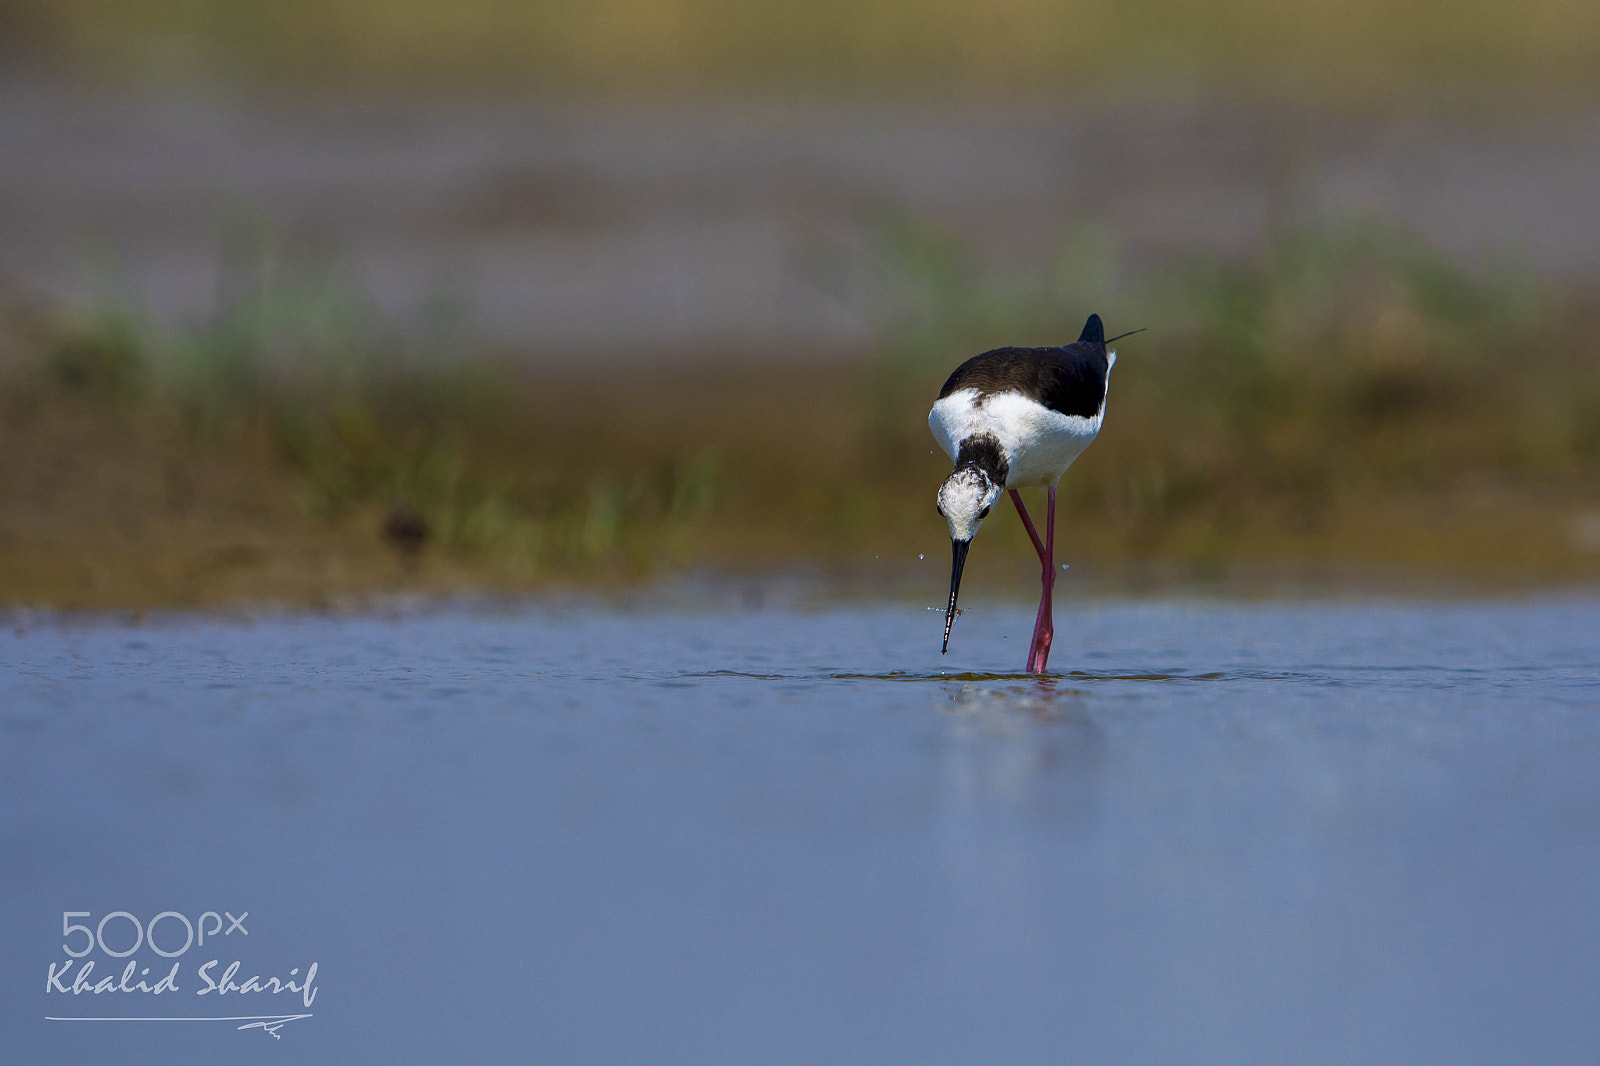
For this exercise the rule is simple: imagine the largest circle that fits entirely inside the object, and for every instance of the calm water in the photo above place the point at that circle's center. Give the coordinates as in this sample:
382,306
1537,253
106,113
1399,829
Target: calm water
1283,833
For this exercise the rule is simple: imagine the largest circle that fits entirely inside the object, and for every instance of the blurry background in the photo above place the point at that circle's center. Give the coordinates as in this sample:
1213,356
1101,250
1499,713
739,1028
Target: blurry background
302,301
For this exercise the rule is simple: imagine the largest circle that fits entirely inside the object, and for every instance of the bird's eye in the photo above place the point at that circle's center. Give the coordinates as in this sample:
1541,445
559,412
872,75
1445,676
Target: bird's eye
984,513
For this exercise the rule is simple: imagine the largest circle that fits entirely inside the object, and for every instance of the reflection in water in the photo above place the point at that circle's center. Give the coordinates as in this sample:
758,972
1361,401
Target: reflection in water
1265,833
1011,743
1015,755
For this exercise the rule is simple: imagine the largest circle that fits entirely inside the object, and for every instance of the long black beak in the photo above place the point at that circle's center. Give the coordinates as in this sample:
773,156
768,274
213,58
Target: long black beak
958,559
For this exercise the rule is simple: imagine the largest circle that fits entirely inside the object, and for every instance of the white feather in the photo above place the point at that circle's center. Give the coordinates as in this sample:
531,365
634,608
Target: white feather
1040,444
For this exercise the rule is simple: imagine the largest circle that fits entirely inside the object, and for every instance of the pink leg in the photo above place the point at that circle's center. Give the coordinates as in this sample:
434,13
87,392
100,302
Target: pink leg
1027,523
1044,627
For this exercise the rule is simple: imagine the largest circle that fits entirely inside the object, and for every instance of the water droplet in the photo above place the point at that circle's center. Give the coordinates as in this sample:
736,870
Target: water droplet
1063,566
921,556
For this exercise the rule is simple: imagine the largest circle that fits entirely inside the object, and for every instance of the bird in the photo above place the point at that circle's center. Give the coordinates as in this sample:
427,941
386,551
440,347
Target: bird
1014,418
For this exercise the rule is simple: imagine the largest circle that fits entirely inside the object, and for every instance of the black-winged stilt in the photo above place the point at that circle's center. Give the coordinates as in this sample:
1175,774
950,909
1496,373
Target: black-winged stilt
1012,418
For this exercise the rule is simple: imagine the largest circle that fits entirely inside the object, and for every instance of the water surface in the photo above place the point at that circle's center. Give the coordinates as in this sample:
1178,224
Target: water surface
1277,833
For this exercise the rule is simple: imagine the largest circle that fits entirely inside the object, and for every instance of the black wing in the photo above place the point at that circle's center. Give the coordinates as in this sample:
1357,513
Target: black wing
1070,379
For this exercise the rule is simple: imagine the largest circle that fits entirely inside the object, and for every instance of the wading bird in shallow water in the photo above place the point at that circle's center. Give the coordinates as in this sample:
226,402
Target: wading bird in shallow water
1011,418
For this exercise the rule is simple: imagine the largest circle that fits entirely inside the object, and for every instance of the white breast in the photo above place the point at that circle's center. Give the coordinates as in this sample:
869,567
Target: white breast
1039,443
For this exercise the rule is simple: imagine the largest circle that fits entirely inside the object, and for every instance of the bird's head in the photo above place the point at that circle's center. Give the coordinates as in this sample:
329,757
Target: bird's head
964,499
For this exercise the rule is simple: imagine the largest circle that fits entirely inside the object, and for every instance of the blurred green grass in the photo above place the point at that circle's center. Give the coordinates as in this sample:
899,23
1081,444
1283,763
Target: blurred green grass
1357,49
1345,395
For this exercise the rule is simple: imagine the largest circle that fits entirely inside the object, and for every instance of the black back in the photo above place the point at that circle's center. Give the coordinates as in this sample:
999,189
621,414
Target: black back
1070,379
985,453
